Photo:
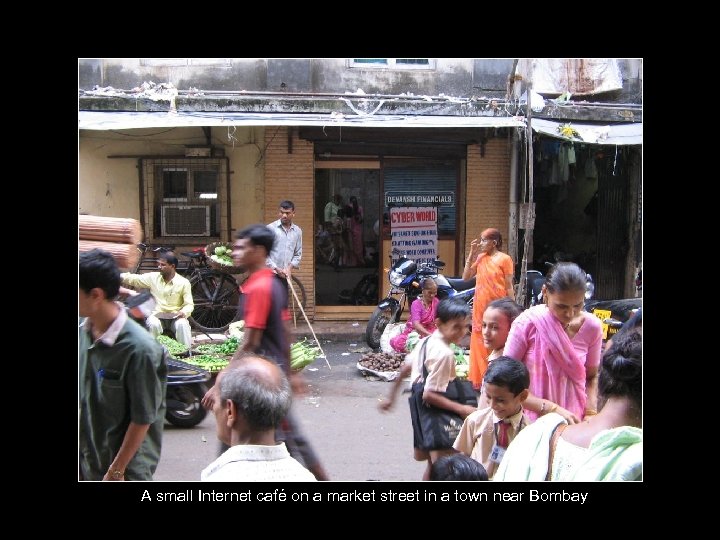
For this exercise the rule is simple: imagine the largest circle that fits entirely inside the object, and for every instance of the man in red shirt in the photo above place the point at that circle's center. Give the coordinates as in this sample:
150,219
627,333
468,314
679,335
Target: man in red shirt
264,303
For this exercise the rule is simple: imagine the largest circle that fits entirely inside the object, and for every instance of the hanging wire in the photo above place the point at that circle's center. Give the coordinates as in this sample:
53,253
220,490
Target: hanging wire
231,135
615,162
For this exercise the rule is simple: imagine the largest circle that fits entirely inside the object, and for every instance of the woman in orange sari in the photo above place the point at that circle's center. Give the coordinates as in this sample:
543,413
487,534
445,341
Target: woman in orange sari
494,270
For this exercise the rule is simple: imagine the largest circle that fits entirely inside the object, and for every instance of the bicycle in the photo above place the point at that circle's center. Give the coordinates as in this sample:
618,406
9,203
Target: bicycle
216,294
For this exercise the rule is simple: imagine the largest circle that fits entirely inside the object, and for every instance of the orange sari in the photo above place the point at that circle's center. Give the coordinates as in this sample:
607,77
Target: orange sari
489,286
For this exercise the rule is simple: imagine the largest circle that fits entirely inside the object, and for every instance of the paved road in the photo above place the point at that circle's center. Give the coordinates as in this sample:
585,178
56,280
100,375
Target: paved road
354,439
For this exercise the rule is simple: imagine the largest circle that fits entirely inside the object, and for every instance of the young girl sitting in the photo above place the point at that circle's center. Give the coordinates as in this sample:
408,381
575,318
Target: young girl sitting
453,320
422,316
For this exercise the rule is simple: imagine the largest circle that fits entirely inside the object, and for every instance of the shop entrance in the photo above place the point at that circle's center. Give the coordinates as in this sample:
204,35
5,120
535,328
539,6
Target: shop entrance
347,231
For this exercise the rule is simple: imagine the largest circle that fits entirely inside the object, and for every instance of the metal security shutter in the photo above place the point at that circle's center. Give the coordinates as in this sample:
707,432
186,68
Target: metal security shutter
431,180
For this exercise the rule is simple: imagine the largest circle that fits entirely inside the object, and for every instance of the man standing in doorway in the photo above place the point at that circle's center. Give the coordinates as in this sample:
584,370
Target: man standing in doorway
287,252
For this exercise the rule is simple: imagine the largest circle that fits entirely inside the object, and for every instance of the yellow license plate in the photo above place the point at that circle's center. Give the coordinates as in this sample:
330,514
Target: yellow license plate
603,314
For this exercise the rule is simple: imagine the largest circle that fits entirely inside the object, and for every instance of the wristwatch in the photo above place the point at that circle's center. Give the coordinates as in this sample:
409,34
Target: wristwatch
116,474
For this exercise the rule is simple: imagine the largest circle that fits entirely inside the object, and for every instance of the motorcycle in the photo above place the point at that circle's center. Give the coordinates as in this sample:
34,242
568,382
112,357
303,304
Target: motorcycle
185,383
405,276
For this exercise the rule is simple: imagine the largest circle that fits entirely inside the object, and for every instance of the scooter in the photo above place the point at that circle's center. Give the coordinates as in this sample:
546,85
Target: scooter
405,276
185,383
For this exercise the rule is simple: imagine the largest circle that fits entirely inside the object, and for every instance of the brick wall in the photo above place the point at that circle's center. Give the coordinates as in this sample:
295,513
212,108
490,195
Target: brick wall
291,176
488,191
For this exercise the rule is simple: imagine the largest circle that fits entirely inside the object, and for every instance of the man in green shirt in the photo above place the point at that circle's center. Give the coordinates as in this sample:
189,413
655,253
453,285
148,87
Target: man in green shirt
122,380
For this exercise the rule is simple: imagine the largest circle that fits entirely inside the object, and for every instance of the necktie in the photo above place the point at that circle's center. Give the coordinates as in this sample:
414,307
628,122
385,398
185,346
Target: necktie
502,438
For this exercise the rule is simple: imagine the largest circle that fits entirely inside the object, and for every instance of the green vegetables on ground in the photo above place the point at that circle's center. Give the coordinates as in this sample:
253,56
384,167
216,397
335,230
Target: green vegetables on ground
302,354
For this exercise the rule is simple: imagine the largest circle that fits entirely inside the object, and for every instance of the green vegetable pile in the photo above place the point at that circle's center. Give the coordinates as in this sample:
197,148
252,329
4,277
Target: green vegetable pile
208,362
302,354
227,347
174,347
222,256
462,362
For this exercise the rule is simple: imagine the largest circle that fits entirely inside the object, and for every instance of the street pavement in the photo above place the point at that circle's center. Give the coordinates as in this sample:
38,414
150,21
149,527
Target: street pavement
339,414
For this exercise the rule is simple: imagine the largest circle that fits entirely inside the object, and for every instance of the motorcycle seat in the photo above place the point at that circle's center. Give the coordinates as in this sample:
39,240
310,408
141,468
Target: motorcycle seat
460,285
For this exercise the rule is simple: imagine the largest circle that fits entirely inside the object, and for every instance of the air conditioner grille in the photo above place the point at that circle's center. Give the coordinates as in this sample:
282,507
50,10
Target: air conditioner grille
178,220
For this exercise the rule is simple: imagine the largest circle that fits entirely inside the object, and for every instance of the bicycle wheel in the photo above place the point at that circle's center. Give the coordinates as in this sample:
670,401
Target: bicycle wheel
293,306
216,296
295,313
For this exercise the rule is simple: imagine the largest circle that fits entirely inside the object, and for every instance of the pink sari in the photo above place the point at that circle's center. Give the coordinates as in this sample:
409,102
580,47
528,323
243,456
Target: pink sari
557,372
426,317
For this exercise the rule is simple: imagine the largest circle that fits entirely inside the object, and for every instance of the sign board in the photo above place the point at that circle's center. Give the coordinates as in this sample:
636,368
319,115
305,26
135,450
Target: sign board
414,232
413,198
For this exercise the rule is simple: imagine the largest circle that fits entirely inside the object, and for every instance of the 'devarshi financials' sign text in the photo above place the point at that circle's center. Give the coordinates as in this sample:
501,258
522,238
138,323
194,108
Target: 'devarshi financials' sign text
414,232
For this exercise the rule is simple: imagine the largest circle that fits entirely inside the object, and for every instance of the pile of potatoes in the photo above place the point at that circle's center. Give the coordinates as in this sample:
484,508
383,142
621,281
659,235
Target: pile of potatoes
380,361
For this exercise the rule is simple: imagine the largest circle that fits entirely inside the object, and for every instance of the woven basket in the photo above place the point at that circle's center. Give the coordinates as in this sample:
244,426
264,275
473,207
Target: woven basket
210,250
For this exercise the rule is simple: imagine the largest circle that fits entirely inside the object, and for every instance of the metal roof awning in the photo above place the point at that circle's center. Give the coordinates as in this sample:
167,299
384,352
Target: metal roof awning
611,134
107,120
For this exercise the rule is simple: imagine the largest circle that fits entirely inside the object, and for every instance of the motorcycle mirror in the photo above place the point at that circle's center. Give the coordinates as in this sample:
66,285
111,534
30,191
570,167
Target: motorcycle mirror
613,323
439,263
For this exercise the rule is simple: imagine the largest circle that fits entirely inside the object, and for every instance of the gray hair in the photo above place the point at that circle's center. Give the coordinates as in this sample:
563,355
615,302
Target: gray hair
262,402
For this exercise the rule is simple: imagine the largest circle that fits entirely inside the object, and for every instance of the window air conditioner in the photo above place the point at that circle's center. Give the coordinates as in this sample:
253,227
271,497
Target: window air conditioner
183,220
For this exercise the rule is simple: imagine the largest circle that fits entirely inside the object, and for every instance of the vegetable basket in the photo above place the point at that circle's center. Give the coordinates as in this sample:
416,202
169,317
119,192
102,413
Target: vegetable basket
210,251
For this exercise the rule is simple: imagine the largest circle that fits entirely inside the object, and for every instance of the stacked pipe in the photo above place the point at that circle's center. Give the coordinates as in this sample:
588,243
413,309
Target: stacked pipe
117,236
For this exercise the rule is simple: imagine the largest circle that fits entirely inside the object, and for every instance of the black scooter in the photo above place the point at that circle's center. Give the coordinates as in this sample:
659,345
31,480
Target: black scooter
185,383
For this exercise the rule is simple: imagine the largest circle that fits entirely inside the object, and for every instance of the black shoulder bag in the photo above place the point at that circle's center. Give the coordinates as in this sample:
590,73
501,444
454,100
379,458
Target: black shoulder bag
435,428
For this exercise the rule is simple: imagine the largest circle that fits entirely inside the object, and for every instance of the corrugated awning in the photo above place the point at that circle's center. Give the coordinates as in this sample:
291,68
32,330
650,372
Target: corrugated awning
592,133
106,120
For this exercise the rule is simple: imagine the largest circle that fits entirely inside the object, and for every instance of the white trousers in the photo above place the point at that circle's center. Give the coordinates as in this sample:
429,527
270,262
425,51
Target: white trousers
180,327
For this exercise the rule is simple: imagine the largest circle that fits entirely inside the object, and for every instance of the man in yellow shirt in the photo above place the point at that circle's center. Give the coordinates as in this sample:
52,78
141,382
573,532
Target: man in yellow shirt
174,301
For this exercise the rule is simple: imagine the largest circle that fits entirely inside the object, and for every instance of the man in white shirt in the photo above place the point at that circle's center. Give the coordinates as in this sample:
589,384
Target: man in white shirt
255,396
287,252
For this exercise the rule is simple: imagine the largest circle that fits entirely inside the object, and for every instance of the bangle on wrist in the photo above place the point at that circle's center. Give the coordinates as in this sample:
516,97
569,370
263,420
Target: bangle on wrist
116,474
590,412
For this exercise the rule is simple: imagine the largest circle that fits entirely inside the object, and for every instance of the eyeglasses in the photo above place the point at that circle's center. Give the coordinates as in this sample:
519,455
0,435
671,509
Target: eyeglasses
485,240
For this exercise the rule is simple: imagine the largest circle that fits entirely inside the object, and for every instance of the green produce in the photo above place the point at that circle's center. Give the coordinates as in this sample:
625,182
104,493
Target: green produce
227,347
302,354
173,347
208,362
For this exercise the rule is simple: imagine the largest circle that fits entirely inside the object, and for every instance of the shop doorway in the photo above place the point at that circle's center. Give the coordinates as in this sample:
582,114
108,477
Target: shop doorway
347,241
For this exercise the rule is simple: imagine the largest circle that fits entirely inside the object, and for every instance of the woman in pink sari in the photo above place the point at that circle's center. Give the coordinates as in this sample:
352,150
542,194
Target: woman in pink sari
560,344
423,312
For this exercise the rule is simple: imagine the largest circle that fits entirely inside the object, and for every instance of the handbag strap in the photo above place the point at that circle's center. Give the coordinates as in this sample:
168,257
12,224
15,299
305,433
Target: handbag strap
424,367
553,444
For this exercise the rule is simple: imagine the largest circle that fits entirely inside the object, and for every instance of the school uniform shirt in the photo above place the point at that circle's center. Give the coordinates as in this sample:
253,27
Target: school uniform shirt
478,435
439,361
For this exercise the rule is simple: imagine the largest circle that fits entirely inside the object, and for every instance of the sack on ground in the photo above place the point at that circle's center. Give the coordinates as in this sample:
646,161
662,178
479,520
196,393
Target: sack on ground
391,330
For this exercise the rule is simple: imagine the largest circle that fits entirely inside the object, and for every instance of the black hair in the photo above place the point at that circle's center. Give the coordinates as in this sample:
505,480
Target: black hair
457,467
98,269
621,368
259,235
452,308
508,373
564,277
509,307
287,204
169,257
